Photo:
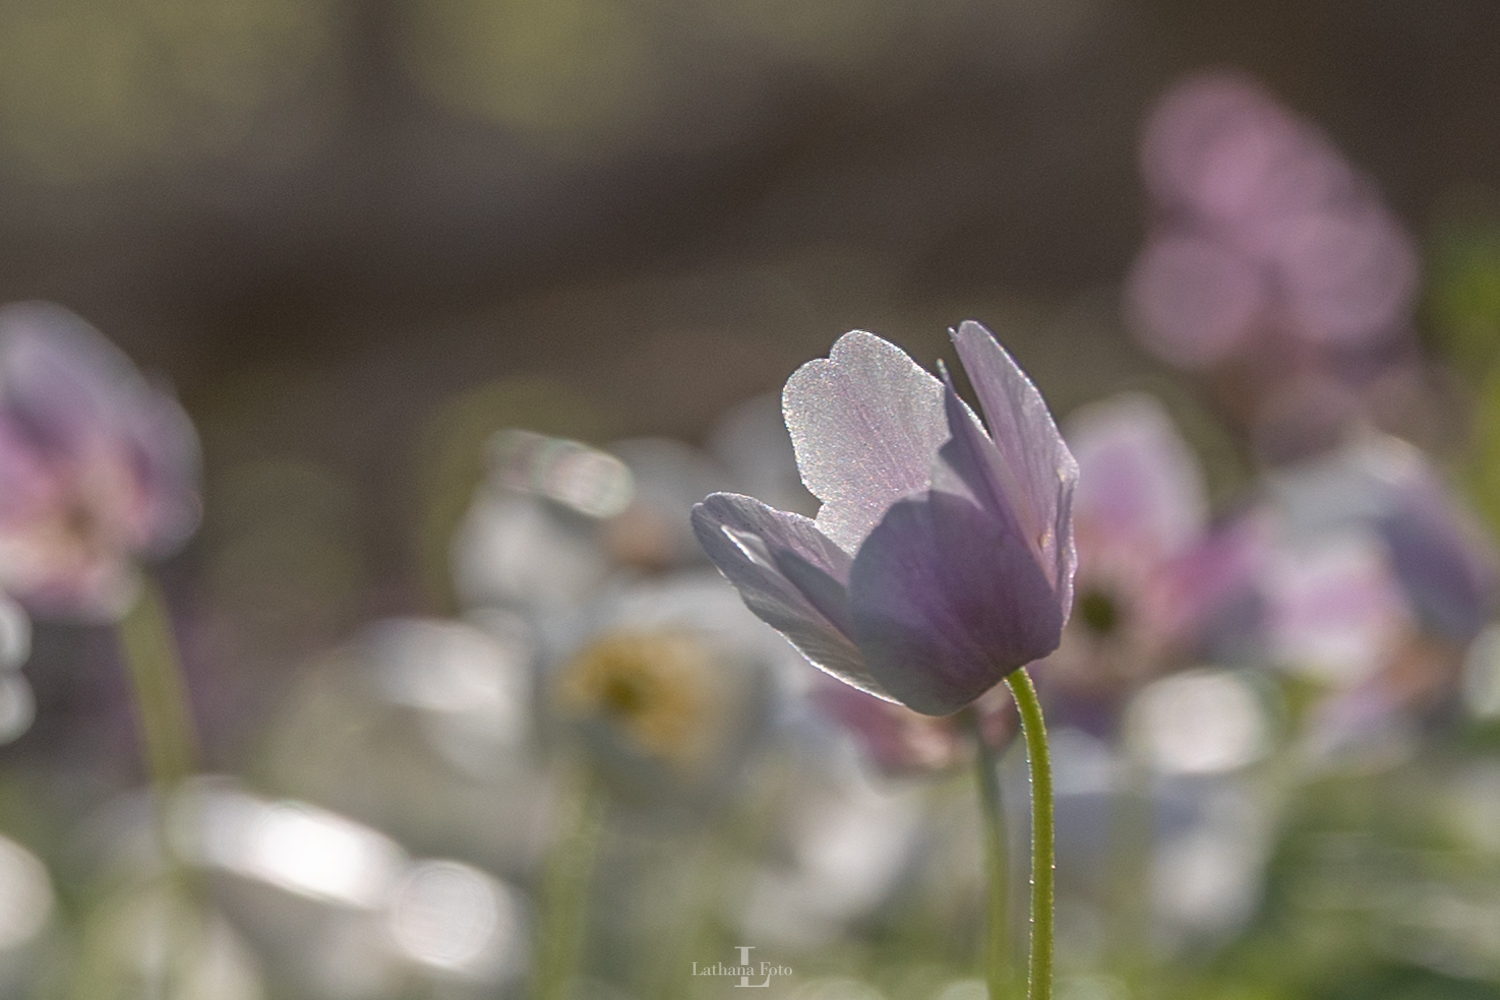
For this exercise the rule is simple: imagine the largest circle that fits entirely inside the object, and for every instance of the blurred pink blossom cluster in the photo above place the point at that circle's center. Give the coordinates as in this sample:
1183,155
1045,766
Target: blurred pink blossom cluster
1263,235
1354,570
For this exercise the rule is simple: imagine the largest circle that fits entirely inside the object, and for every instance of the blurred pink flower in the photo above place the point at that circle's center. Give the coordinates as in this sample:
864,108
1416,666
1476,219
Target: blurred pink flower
1338,617
97,466
1220,148
1262,229
1379,582
1194,300
899,741
1335,611
1153,578
1385,489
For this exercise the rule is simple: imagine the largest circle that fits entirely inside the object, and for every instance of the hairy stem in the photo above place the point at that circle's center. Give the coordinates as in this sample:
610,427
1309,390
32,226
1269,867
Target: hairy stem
1042,858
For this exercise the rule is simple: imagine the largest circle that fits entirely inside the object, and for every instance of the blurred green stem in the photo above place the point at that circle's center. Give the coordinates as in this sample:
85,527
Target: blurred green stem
1132,835
997,966
564,890
1042,859
166,724
170,747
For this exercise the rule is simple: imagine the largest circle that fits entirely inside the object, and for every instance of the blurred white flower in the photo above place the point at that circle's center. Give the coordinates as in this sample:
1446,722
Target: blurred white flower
515,550
363,895
290,845
847,843
1209,877
26,898
555,519
1199,722
472,685
456,920
668,684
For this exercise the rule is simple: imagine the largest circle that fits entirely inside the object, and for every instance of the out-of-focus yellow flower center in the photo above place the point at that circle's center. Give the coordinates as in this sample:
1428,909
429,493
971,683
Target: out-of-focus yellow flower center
658,689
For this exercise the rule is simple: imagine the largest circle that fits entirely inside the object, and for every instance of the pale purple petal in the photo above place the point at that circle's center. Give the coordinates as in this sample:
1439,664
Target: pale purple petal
59,376
27,484
163,447
865,422
1042,471
1445,560
970,465
946,600
790,576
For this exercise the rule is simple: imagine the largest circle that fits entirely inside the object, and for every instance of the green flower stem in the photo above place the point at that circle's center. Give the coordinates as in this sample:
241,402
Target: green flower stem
997,966
707,868
564,891
170,748
150,654
1042,858
1132,833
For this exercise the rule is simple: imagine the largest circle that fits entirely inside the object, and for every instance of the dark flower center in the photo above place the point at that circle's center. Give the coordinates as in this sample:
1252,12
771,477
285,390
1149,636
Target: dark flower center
1099,611
654,689
623,695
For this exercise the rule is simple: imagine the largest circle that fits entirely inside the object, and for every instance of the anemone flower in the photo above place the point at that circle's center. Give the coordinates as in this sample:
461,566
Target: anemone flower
98,467
668,689
1157,584
942,557
1442,558
940,562
1381,580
